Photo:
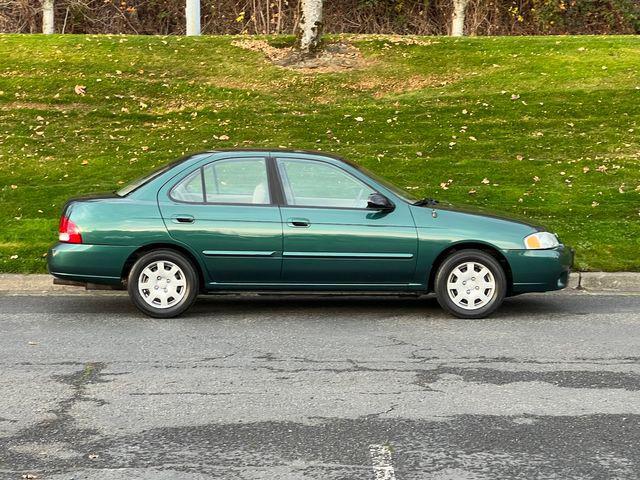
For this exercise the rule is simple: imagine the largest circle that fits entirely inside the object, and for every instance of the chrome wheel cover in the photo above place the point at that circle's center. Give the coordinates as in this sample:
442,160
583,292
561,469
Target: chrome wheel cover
162,284
471,285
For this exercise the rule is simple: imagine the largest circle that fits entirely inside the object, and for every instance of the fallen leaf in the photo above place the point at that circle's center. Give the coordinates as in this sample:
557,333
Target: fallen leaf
80,89
472,191
594,204
85,162
13,187
359,119
472,138
223,137
621,188
486,181
519,157
585,169
13,257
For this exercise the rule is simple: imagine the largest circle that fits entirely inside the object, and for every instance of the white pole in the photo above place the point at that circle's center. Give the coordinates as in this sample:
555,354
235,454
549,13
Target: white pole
48,17
192,12
457,20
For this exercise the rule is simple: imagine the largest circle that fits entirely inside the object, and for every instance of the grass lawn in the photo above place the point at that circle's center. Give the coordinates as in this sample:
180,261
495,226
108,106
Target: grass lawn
546,127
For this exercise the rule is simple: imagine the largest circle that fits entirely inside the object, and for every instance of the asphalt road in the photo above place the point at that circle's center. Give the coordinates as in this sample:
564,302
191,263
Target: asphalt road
320,388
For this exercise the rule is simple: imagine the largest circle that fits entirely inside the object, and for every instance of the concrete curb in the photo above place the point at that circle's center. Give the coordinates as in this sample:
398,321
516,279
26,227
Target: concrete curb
34,283
628,282
623,282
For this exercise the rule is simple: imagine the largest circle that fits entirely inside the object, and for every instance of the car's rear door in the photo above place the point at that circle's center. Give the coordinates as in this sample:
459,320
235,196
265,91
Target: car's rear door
224,211
331,238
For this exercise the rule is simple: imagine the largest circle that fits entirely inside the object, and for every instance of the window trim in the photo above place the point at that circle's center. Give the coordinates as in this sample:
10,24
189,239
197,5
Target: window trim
204,190
284,198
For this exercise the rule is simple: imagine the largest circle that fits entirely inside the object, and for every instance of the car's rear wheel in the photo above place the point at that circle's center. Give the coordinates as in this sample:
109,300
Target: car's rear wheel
470,284
163,283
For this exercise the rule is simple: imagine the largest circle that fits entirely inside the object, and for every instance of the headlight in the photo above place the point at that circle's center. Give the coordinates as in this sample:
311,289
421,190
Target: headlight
539,240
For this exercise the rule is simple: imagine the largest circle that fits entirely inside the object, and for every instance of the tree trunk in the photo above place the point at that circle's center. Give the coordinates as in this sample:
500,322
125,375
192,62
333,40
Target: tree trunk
48,17
192,12
457,19
310,26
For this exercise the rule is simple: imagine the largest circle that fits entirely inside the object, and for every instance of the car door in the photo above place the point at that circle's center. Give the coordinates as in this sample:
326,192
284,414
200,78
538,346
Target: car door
224,211
329,235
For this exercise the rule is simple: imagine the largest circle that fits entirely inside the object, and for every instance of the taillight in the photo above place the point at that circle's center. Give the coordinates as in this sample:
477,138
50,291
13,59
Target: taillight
69,231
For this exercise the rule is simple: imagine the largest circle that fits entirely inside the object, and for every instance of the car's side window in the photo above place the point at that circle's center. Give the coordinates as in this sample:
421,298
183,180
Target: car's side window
237,181
240,181
189,189
318,184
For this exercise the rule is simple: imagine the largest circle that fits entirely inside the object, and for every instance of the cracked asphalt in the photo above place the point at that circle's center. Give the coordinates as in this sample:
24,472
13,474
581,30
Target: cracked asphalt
307,388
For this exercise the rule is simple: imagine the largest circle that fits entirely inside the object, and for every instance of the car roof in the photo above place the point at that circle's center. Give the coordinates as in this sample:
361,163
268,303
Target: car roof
317,153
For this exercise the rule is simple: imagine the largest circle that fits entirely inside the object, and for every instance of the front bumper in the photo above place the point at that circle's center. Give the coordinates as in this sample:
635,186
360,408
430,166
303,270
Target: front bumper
540,270
99,264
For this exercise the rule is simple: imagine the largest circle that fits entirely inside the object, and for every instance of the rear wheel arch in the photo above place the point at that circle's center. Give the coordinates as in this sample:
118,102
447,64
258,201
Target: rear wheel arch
128,264
494,252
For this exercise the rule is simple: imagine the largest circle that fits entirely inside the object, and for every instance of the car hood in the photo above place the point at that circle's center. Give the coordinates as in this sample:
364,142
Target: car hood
486,212
455,224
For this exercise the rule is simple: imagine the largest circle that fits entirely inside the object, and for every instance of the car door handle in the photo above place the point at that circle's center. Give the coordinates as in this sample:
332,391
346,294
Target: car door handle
183,218
298,222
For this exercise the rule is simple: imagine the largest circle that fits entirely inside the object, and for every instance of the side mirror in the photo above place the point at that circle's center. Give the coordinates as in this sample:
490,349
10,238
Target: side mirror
377,201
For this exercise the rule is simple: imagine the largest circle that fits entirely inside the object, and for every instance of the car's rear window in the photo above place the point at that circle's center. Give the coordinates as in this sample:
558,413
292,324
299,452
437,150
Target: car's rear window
139,182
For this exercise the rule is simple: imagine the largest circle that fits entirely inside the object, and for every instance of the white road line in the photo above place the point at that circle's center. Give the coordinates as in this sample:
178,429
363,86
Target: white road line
382,462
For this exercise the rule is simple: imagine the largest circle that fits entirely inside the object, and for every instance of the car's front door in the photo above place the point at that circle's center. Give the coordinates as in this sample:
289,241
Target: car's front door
224,211
331,238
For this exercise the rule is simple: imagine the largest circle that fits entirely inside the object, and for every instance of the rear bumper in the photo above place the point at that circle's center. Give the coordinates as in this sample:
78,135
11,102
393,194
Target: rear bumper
97,264
540,270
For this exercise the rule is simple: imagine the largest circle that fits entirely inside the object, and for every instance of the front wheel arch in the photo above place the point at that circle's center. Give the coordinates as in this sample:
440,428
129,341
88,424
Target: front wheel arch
128,264
442,256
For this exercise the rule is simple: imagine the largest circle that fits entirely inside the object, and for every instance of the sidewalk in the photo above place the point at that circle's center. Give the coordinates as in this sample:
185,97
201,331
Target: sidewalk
621,282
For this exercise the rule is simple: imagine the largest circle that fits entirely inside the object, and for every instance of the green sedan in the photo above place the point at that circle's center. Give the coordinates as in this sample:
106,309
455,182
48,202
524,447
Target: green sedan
294,221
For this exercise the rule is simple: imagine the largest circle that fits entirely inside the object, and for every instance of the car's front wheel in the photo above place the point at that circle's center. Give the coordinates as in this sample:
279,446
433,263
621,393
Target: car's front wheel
470,284
163,283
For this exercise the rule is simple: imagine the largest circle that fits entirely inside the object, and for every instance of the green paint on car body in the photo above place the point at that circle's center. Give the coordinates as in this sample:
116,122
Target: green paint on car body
277,245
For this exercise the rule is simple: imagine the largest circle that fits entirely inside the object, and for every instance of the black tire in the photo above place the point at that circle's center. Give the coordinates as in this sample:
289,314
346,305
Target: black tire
174,305
444,296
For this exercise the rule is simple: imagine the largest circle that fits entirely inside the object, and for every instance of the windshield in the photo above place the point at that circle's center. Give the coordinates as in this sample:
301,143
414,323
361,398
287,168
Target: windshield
406,196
